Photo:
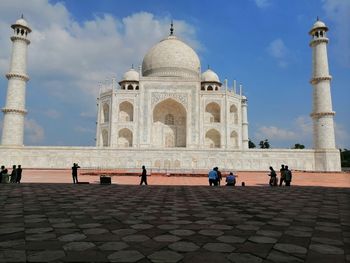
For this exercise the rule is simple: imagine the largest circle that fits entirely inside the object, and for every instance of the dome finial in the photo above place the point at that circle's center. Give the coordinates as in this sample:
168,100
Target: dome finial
317,19
132,66
171,28
22,16
208,66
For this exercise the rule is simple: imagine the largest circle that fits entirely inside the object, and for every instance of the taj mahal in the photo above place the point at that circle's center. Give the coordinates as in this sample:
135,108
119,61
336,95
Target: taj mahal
169,114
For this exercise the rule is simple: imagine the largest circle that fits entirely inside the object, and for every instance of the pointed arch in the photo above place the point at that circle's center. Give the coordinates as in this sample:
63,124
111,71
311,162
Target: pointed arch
125,138
213,139
126,111
234,139
169,124
105,139
105,113
212,112
234,114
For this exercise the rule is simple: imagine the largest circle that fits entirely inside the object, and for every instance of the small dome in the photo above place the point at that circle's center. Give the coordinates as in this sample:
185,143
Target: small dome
318,25
210,76
131,75
21,22
171,58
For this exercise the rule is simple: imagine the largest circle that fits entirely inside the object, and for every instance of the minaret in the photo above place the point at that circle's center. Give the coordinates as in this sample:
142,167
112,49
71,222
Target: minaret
245,138
322,113
14,110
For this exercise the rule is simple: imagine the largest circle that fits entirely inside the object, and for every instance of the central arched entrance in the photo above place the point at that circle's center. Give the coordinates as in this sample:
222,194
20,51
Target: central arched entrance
169,124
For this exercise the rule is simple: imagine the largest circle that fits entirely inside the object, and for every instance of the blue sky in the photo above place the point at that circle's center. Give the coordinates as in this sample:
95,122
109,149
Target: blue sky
263,44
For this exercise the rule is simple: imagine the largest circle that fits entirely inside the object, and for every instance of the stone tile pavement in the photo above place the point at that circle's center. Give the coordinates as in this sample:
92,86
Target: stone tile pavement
130,223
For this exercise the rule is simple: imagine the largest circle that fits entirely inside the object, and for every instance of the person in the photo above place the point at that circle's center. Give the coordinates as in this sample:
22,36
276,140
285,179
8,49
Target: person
5,177
2,172
288,176
213,177
273,175
219,176
231,179
19,174
282,173
75,173
13,174
143,175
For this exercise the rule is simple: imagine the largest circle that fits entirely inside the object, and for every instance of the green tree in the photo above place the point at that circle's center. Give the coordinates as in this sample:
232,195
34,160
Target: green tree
345,157
251,144
298,146
264,144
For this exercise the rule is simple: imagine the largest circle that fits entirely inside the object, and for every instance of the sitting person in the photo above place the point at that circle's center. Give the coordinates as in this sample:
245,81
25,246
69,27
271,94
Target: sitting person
231,179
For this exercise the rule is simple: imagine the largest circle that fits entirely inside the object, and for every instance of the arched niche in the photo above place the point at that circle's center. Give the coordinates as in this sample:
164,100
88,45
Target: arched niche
212,112
105,113
169,124
126,112
234,114
125,138
213,139
105,141
234,139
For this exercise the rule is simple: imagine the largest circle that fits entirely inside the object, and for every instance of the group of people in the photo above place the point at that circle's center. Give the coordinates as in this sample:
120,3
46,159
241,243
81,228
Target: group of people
285,176
14,177
215,178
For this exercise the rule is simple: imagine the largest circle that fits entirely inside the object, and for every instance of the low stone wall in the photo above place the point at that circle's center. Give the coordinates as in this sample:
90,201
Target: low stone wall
186,160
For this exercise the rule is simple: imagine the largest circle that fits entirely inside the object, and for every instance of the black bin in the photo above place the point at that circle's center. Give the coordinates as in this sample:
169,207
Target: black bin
105,180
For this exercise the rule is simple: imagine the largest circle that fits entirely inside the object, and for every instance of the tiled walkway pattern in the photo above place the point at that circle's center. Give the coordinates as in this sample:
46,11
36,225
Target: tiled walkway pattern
118,223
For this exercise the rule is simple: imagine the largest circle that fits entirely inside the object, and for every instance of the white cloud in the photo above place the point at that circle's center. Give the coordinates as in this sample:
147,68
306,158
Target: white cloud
33,132
338,11
278,50
275,133
80,129
53,114
262,3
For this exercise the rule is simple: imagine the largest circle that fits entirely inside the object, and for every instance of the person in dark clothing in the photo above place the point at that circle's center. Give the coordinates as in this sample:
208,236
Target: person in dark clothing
273,179
13,174
219,176
283,175
143,175
75,173
288,176
2,172
19,174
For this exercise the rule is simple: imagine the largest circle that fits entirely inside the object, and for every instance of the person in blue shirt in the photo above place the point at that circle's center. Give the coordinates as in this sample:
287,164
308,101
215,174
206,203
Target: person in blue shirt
231,179
213,177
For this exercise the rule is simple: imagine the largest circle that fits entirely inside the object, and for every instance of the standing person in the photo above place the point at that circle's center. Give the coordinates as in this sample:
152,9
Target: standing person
143,175
2,172
19,174
219,176
283,175
213,177
75,173
231,179
5,177
288,176
13,174
273,175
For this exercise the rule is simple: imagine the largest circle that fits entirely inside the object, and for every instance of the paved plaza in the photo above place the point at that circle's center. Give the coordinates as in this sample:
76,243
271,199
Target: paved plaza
131,223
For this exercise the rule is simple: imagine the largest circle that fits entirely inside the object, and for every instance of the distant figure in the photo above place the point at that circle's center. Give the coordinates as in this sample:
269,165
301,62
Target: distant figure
2,172
219,176
231,179
13,174
273,177
288,176
75,173
143,175
283,174
243,183
5,177
19,174
213,177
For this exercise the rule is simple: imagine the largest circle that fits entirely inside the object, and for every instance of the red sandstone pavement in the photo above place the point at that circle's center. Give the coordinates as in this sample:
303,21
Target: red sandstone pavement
250,178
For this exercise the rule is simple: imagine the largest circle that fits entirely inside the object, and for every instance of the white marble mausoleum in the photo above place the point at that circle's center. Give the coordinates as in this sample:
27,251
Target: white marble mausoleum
168,114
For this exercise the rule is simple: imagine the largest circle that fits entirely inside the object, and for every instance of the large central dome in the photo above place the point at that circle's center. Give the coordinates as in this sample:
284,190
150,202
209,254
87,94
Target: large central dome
171,58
